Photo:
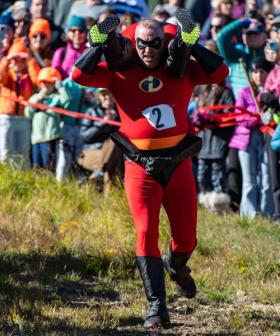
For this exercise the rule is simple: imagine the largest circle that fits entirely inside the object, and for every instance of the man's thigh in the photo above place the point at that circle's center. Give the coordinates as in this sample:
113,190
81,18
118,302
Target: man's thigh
180,203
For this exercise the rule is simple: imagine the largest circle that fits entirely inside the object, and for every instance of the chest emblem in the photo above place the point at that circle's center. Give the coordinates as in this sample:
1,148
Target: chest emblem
150,84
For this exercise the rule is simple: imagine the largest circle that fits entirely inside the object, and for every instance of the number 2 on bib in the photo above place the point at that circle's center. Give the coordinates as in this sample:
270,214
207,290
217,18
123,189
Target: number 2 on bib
160,116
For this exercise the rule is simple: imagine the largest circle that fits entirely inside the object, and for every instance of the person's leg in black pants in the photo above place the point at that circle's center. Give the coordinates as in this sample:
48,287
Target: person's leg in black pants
234,178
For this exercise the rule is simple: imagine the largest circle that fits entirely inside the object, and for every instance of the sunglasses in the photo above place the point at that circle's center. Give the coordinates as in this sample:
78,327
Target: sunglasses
17,22
216,27
79,30
155,43
42,36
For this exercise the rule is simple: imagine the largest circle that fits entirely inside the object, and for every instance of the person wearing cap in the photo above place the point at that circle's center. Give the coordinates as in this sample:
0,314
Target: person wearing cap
46,130
40,38
251,47
39,10
18,80
6,33
247,138
63,60
64,57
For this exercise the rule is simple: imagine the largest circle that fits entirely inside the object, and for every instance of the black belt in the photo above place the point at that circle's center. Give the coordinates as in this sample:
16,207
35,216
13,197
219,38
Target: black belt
160,163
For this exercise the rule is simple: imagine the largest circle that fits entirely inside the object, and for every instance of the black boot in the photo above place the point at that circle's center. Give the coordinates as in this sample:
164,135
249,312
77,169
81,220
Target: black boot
175,264
152,273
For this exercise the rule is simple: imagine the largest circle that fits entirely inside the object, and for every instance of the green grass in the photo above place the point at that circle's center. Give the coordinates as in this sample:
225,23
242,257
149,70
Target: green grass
67,266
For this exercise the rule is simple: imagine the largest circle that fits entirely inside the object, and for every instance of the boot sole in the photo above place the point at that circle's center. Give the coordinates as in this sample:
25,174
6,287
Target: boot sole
155,323
109,24
184,19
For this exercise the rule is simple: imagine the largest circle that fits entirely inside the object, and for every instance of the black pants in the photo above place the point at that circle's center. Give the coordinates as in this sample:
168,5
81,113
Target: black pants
234,178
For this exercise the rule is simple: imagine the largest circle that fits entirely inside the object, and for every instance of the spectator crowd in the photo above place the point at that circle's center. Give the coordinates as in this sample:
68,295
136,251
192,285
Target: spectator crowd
239,164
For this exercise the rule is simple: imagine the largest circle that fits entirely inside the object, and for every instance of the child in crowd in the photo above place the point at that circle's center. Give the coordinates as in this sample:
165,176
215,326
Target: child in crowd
46,129
17,80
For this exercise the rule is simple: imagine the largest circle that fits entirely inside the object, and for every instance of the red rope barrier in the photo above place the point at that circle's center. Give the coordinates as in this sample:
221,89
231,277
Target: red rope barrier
62,111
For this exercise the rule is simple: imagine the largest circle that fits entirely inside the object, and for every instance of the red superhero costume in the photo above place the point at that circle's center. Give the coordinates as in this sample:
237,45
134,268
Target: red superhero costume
152,106
155,129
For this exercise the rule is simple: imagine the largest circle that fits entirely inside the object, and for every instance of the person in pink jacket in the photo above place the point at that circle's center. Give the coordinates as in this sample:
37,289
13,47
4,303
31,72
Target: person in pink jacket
270,98
64,58
247,138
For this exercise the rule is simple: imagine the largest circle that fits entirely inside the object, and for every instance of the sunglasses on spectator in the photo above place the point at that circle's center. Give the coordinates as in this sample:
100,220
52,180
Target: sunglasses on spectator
270,16
25,21
276,29
79,30
217,27
227,3
42,36
155,43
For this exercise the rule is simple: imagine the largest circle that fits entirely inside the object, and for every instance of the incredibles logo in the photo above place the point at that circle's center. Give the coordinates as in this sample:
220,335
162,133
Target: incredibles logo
150,84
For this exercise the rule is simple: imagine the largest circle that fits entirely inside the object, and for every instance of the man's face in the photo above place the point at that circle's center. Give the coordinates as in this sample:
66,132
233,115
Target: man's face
38,9
149,46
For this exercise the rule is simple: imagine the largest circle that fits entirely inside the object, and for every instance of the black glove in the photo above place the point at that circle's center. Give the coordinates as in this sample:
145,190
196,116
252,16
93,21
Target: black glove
270,99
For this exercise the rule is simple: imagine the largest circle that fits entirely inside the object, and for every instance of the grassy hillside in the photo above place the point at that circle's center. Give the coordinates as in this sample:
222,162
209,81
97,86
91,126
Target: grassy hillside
67,266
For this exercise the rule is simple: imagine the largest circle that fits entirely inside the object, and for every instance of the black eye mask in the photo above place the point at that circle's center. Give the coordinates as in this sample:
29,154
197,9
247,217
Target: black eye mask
155,44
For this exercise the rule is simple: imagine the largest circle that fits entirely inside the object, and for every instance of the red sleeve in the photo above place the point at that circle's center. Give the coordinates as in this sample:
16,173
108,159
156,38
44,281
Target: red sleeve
199,77
101,78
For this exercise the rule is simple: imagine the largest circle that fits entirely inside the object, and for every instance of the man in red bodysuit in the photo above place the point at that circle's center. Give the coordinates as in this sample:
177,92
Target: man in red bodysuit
155,134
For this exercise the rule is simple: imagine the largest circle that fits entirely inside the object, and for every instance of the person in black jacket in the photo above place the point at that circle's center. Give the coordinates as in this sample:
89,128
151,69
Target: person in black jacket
211,159
99,154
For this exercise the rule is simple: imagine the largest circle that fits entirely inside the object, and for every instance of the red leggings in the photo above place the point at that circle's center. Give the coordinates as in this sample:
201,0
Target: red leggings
145,196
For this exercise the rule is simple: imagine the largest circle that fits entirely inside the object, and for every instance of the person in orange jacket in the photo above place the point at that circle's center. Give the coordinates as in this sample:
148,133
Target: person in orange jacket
17,80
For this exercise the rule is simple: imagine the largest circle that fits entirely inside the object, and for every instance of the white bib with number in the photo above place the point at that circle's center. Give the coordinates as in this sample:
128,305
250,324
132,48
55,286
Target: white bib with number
160,116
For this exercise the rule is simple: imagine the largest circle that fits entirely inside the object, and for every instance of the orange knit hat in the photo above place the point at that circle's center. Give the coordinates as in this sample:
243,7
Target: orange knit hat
49,74
18,48
40,26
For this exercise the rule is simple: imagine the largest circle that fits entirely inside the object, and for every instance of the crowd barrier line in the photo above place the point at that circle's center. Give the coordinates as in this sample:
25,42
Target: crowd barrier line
60,110
222,119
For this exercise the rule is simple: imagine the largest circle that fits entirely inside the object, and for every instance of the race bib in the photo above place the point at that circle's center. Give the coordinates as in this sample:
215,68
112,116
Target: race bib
160,116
